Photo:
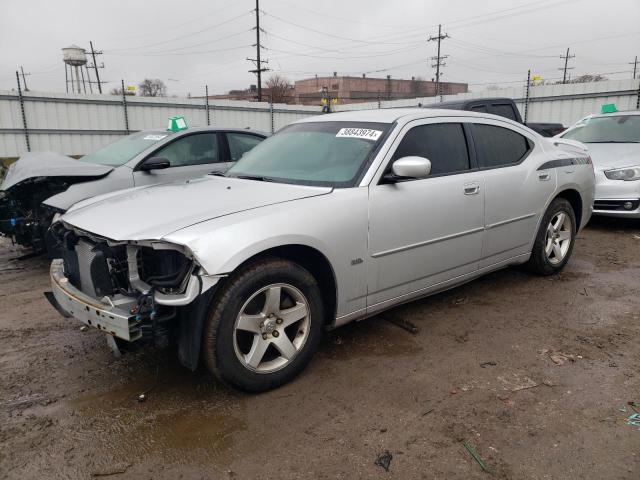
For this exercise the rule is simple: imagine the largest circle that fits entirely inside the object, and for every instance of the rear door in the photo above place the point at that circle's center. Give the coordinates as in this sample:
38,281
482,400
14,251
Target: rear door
515,191
427,231
190,156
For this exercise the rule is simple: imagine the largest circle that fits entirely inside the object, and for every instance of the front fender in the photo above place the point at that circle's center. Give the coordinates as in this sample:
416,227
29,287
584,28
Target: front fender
335,225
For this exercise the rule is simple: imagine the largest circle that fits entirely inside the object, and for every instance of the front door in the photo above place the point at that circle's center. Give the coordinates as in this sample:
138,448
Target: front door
428,231
190,156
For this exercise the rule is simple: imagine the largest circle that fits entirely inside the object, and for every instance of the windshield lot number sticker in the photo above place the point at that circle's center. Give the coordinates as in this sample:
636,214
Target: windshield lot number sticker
364,133
154,137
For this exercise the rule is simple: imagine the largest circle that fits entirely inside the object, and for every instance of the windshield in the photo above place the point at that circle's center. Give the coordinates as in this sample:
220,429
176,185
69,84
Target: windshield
613,129
120,152
314,153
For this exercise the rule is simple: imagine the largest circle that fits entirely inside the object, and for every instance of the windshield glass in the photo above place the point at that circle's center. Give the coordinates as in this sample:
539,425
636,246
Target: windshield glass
120,152
613,129
315,153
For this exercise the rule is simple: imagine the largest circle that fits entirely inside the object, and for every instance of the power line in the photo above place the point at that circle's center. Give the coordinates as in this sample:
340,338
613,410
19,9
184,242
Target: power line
327,34
179,49
180,37
200,52
258,62
24,81
439,58
95,66
302,54
506,13
566,58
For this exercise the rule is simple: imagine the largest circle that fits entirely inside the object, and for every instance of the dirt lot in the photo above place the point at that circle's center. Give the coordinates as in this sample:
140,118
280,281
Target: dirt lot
70,409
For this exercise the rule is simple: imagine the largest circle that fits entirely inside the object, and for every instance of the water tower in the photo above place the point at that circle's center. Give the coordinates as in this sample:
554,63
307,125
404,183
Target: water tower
74,58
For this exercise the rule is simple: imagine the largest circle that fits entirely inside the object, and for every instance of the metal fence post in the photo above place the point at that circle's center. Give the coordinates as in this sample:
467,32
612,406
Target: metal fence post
638,100
378,98
271,113
206,102
124,105
24,116
526,98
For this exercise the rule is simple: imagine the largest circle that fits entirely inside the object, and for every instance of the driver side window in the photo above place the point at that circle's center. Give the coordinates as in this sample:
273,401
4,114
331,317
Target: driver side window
444,144
197,149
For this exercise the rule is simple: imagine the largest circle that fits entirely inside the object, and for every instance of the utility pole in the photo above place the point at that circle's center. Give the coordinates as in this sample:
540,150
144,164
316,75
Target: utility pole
566,67
258,61
24,81
439,58
634,63
95,64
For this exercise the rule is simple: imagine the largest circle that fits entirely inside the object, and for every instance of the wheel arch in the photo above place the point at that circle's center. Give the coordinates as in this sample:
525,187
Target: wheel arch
575,199
313,260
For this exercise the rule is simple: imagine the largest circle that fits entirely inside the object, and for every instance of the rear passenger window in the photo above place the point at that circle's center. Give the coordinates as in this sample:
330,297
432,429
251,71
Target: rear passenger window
241,143
503,110
498,146
443,144
479,108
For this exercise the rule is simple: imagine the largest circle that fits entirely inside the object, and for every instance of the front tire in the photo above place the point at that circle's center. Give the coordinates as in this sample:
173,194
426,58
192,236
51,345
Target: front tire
264,326
555,238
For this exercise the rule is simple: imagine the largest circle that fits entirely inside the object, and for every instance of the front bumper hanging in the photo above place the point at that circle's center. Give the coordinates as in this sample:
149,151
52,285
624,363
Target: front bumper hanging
111,316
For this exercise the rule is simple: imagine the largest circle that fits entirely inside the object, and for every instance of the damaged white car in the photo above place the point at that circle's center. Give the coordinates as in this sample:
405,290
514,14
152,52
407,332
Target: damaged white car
333,219
42,184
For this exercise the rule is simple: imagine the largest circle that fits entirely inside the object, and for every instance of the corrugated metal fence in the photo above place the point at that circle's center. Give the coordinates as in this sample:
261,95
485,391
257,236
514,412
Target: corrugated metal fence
76,124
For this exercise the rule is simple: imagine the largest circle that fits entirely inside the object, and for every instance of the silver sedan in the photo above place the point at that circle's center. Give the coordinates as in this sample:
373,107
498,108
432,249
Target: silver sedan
333,219
613,141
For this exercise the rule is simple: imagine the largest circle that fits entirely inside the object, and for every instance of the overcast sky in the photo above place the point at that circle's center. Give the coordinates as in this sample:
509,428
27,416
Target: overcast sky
191,43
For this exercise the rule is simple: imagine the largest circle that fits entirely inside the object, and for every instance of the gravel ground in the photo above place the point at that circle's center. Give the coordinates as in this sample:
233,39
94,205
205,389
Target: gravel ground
534,374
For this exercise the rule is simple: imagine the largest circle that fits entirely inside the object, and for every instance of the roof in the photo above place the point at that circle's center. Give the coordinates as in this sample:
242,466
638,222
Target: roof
617,114
390,115
209,129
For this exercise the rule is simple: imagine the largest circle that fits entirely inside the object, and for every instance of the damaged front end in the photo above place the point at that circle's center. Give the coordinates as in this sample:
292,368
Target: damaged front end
23,217
133,291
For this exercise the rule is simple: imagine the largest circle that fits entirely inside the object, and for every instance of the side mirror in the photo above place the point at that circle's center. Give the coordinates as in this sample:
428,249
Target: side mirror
155,163
410,167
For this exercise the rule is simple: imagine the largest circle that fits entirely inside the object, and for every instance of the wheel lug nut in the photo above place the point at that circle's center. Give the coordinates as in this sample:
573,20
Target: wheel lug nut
275,333
261,324
279,321
264,336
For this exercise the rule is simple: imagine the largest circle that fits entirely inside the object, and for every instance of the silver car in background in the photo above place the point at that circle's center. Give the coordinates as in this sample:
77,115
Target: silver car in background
613,141
40,185
333,219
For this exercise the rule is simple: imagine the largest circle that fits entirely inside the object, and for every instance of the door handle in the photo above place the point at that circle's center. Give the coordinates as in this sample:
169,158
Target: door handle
544,176
471,188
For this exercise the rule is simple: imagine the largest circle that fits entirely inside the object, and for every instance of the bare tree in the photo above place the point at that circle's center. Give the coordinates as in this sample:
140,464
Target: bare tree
152,88
279,88
587,78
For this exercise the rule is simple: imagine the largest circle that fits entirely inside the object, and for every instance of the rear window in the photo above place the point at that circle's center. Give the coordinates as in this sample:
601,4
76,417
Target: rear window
443,144
498,146
504,110
479,108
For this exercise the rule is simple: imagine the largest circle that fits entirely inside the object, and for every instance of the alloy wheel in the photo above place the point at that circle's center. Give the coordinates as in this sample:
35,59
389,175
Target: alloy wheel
558,238
271,328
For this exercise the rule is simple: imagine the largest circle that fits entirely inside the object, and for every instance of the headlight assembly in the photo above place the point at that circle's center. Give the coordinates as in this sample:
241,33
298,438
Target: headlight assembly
627,174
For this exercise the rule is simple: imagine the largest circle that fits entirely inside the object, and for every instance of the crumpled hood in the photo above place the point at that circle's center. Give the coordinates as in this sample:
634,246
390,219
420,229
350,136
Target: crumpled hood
613,155
49,164
147,213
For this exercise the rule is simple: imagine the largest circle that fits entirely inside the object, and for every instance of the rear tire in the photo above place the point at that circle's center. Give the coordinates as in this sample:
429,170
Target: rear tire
264,325
555,238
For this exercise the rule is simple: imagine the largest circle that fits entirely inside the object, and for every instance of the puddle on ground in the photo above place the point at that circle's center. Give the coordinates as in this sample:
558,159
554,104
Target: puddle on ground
185,419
